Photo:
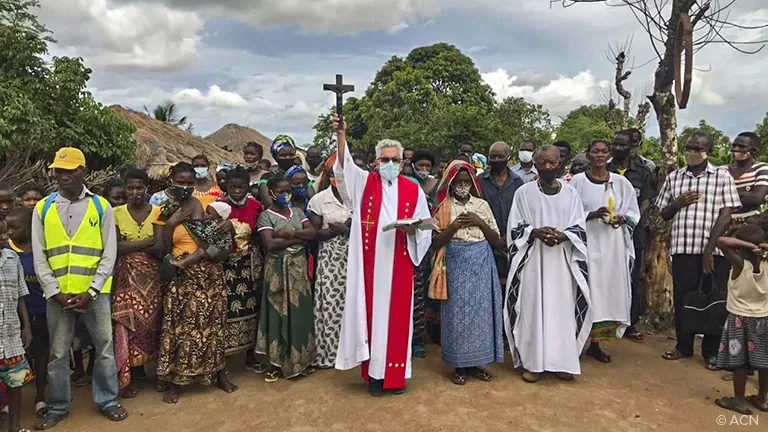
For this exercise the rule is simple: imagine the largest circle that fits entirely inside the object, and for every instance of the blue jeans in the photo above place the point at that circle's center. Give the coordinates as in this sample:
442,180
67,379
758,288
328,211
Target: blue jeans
61,327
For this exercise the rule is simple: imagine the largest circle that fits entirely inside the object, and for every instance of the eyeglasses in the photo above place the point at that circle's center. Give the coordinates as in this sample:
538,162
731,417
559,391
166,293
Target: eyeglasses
388,160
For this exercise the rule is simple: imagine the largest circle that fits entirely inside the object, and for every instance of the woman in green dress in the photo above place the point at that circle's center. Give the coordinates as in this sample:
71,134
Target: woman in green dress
286,323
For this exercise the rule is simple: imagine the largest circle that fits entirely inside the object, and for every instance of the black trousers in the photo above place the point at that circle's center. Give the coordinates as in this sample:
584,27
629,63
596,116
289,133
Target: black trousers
638,289
687,271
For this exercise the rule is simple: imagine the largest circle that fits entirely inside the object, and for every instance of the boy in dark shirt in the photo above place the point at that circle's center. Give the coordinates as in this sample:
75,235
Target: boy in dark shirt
19,230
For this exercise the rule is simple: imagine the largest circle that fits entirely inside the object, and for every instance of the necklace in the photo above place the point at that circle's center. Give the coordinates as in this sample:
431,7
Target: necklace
559,186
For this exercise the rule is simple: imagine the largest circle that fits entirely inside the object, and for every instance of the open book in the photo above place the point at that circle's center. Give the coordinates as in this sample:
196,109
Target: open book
429,224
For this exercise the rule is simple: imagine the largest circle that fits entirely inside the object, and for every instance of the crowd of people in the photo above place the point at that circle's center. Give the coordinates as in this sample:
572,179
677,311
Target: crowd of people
342,262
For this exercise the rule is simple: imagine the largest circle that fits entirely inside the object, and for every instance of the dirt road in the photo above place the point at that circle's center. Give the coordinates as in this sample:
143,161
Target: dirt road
639,391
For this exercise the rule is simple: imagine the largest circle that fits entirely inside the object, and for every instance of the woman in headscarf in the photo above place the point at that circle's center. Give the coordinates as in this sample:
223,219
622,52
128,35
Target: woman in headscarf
283,150
330,216
192,340
286,321
301,192
464,276
242,279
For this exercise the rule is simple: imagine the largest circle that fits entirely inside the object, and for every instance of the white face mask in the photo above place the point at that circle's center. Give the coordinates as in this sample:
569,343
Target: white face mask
525,156
201,173
389,171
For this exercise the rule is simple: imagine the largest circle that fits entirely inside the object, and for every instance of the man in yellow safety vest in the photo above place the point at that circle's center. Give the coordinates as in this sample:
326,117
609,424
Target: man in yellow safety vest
74,242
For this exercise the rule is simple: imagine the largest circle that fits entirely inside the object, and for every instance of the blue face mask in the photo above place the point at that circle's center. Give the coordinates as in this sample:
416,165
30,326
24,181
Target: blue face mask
300,191
389,171
283,200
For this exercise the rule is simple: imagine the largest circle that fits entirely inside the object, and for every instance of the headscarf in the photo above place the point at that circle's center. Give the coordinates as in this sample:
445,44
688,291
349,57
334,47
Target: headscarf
438,283
479,161
225,167
281,142
222,208
293,170
329,162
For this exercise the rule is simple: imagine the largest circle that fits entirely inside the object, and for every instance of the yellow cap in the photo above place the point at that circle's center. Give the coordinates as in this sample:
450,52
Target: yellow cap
68,158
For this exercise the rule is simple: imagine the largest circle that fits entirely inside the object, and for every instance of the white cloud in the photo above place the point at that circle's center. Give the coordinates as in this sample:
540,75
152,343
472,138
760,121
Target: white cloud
143,36
397,28
560,96
216,97
318,16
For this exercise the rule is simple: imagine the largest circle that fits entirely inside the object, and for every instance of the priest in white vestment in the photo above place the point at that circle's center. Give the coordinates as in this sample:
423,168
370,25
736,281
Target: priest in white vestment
546,309
377,326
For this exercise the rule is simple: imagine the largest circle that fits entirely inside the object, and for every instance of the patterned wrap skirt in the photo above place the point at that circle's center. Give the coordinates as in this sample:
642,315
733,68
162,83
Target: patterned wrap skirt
471,318
242,303
286,324
330,293
137,313
194,316
744,344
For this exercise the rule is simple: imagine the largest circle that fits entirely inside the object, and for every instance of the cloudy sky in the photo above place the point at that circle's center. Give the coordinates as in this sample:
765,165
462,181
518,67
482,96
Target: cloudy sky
262,63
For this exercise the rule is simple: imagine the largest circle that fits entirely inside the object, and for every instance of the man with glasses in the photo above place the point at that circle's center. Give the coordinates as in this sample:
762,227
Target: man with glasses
376,328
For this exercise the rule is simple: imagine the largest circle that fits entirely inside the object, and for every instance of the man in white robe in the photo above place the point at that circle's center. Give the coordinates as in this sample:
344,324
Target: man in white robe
546,309
377,327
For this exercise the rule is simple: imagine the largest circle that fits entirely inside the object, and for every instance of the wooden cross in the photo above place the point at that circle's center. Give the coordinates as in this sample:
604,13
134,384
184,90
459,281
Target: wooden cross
339,88
368,222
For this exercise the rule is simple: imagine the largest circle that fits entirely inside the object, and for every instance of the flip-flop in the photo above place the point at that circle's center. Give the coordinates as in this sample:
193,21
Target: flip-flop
636,337
729,403
272,377
712,364
258,368
482,375
754,400
418,351
41,409
459,379
674,354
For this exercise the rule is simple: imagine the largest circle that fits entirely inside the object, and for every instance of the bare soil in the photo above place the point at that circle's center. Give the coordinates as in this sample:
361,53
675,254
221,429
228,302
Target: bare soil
639,391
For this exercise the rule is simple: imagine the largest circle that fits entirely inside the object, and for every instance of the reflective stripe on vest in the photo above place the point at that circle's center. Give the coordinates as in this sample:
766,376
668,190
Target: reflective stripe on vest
74,261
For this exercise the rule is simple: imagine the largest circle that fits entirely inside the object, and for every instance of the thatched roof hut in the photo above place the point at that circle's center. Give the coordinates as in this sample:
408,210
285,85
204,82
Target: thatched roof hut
162,144
233,137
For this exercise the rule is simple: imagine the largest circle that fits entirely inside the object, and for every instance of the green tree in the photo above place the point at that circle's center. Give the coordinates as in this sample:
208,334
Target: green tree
515,120
761,129
721,151
585,124
44,105
434,98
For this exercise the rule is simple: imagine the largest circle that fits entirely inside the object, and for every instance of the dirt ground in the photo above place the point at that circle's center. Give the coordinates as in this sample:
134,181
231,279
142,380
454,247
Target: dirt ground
639,391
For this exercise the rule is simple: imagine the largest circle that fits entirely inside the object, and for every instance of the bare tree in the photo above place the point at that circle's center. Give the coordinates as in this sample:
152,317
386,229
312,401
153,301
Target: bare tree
676,30
619,57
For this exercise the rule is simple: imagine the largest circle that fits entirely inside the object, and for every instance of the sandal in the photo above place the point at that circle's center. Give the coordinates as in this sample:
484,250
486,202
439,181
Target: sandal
755,401
82,381
130,392
674,354
258,368
116,413
730,403
272,377
50,421
712,364
636,337
565,376
41,409
482,375
308,371
459,379
418,351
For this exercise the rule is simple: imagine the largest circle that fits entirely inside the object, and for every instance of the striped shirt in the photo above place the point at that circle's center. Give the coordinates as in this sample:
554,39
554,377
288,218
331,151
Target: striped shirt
756,175
691,225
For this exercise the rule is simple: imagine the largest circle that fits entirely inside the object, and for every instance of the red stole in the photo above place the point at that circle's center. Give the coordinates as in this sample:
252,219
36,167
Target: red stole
402,274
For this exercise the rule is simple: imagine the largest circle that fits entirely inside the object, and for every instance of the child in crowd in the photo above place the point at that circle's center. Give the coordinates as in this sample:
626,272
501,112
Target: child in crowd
115,193
744,344
20,232
7,201
30,195
16,332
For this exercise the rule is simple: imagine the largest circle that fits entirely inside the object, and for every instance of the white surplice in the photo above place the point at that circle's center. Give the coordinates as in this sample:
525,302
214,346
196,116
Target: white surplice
353,340
546,309
611,250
